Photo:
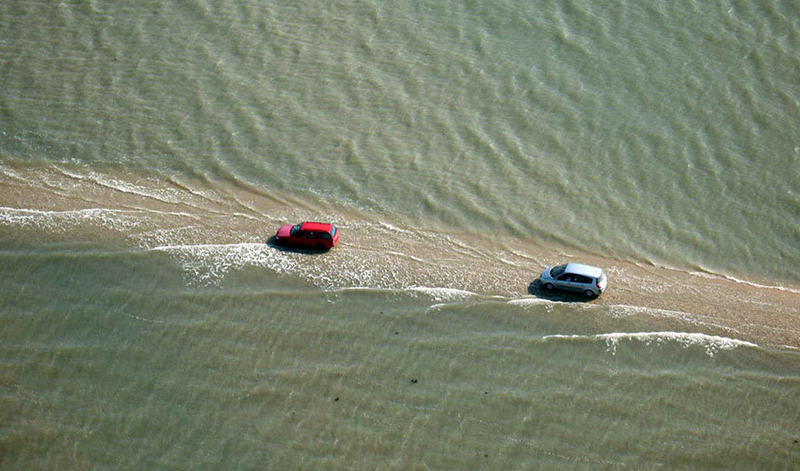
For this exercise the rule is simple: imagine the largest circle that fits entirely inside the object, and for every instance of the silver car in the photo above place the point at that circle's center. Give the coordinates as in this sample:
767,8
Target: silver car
585,279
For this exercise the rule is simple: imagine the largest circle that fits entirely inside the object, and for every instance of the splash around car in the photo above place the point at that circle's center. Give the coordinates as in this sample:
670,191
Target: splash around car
591,281
309,235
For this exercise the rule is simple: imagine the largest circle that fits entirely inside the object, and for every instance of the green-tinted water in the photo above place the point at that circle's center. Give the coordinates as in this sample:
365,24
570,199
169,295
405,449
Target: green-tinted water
148,151
112,361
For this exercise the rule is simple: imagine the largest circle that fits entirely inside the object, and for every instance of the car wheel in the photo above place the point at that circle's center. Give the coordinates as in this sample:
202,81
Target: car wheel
549,286
589,293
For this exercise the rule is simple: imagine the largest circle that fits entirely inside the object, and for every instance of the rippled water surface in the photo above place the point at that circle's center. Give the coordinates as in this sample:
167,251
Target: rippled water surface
149,151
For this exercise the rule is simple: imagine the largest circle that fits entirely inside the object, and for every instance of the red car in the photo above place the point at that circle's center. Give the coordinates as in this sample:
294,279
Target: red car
315,235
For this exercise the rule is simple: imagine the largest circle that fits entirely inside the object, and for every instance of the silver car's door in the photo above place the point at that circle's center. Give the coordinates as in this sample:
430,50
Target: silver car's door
567,281
584,283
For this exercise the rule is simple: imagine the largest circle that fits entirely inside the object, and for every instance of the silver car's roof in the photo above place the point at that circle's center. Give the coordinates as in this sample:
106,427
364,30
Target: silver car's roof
585,270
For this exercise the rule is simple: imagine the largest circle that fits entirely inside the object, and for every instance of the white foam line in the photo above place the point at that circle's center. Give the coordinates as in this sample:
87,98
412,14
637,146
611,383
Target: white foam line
392,228
188,248
246,216
209,263
93,212
626,310
530,301
524,256
163,195
12,174
209,195
53,219
400,254
711,343
69,211
744,282
441,294
170,213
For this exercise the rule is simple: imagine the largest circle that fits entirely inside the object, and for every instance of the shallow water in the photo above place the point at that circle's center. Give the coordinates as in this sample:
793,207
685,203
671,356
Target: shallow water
112,360
148,152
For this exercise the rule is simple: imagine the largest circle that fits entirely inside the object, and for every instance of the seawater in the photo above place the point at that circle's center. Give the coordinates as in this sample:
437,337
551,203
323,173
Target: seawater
111,360
148,151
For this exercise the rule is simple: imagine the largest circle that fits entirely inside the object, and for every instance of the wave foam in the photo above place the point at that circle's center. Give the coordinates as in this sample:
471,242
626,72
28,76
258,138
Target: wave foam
744,282
395,229
711,343
209,263
443,294
119,220
531,301
164,195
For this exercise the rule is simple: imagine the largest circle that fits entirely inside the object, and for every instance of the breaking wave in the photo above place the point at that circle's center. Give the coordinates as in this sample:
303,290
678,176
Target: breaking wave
711,343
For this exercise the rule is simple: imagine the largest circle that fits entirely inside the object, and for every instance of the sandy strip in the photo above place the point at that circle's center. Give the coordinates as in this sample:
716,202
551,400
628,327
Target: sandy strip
233,223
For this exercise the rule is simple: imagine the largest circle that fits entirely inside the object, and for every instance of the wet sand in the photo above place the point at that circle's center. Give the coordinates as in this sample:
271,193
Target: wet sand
376,251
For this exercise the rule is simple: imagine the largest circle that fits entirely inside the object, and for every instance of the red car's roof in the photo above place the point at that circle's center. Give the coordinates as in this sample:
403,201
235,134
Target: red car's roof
316,227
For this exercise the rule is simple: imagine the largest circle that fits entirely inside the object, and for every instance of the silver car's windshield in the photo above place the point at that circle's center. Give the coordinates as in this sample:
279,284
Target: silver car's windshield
558,270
